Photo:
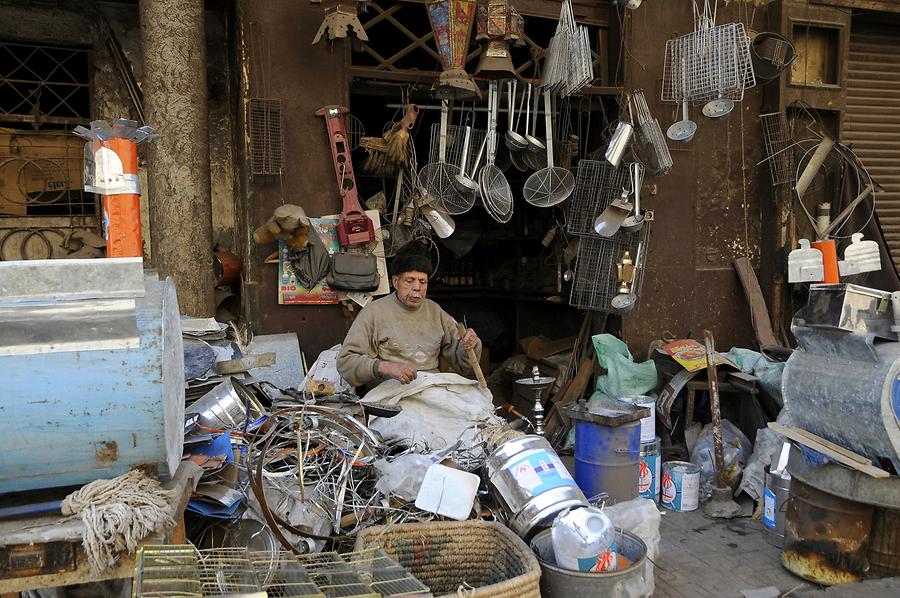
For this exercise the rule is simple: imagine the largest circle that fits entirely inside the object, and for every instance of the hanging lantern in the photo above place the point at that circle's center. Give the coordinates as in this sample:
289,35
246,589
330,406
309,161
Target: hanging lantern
451,22
494,24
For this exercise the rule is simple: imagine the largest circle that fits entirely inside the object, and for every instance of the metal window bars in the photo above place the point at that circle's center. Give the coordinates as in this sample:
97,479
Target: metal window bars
779,145
185,572
597,183
596,281
266,145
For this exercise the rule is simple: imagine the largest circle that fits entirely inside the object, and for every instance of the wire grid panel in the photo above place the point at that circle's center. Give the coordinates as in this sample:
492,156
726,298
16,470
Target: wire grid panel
708,64
166,571
778,143
281,575
266,147
365,573
456,137
596,278
597,183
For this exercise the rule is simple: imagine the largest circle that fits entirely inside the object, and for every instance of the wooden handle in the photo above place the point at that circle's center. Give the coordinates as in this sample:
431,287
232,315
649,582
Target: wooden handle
473,359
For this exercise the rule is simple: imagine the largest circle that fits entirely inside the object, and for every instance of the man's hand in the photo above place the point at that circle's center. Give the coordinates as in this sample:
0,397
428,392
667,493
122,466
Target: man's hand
397,371
469,340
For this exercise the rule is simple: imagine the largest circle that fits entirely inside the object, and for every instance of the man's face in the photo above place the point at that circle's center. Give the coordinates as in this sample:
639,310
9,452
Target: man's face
411,287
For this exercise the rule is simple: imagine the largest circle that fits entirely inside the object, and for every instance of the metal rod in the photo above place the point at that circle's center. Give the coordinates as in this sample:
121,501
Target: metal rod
714,407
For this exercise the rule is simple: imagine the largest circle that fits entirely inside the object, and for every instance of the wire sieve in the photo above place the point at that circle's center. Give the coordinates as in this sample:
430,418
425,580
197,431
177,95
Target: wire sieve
438,178
494,189
553,184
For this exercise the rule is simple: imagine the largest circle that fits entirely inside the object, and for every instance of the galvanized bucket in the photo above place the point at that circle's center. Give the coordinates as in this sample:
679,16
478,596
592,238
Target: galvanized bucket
626,582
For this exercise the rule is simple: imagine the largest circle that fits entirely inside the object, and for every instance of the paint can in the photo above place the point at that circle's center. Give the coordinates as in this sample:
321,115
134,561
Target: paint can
680,486
648,470
648,424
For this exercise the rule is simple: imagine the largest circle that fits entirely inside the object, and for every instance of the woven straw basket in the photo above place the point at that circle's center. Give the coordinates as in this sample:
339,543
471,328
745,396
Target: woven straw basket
475,559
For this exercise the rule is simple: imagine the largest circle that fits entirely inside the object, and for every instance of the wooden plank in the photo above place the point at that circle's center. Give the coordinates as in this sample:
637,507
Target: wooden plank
835,447
244,364
815,442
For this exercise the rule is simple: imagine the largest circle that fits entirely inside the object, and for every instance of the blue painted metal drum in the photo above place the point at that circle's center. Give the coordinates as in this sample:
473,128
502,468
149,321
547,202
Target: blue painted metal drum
606,459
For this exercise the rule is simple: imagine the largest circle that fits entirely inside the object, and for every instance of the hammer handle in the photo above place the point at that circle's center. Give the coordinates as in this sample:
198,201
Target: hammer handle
473,359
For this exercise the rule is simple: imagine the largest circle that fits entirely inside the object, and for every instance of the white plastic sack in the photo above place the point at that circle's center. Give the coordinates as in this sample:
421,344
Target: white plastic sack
437,410
403,476
641,517
325,370
736,451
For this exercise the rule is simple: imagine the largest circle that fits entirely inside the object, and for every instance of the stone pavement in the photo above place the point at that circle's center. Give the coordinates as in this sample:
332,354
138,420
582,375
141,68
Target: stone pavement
712,558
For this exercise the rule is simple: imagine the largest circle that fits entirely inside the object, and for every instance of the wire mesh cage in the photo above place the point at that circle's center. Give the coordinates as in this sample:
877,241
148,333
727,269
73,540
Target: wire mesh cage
597,281
597,183
456,136
266,148
368,572
778,147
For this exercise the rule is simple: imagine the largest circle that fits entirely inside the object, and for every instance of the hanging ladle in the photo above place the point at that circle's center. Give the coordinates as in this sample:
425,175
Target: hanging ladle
716,109
535,145
462,181
513,140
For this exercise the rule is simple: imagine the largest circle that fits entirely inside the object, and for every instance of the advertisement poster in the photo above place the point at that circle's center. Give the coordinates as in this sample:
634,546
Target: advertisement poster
691,355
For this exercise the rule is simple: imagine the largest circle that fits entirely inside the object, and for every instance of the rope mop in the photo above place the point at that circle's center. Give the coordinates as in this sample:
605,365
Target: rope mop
118,514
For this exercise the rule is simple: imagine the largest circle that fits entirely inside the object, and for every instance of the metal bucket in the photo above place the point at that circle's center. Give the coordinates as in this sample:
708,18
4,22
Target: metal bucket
606,459
531,483
225,406
648,470
775,497
680,486
825,537
628,581
648,424
884,545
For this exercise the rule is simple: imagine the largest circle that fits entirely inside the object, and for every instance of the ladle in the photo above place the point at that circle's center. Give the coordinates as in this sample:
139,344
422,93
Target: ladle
683,130
635,220
513,140
535,145
464,183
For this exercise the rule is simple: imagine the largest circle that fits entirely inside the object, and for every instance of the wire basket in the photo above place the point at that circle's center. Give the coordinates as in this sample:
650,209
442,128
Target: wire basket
597,183
778,147
596,280
456,136
477,559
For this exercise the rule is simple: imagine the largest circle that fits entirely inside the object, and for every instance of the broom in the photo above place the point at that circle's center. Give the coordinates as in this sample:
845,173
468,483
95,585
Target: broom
391,151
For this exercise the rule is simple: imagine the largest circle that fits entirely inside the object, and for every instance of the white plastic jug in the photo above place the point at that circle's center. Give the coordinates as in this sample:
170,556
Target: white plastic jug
584,539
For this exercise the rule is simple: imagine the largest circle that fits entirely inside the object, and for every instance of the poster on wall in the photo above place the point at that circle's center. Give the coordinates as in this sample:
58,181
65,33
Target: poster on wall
291,292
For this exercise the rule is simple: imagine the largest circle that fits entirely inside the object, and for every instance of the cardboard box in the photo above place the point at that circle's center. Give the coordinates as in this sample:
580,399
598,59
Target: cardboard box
37,165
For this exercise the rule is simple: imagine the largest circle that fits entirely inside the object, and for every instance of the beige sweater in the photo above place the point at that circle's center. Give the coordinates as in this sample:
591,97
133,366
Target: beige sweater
387,330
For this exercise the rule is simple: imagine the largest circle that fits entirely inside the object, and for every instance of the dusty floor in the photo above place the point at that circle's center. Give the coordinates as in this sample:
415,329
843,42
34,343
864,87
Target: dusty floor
702,557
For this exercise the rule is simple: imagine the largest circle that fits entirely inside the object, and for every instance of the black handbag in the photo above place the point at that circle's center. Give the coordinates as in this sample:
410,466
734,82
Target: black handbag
353,272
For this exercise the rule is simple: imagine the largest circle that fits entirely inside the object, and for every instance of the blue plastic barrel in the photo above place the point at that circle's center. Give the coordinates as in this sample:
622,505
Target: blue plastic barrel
606,459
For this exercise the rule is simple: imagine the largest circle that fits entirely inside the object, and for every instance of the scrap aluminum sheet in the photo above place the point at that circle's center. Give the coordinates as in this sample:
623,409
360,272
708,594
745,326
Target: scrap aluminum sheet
69,326
71,280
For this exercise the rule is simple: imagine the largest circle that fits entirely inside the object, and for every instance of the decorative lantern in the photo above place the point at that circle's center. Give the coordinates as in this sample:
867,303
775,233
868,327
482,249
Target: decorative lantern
497,23
341,16
451,22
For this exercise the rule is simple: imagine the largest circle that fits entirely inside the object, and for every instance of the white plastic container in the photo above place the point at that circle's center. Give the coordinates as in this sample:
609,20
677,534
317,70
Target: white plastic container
584,539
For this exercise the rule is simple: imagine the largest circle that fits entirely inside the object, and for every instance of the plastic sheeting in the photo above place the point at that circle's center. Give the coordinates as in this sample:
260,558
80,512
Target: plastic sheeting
641,517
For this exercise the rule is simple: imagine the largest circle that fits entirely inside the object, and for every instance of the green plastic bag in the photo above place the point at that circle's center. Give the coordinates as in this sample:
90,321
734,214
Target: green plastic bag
623,376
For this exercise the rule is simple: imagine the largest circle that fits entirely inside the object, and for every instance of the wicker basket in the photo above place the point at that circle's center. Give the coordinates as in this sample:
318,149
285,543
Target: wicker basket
457,556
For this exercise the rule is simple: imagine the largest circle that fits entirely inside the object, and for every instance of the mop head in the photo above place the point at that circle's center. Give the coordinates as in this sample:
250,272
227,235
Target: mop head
118,514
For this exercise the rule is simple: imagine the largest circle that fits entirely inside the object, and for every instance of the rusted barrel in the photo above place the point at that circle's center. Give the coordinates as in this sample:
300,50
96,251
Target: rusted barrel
884,545
825,537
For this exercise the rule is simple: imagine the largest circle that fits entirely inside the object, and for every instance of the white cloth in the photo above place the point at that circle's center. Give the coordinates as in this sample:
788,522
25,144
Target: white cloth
437,410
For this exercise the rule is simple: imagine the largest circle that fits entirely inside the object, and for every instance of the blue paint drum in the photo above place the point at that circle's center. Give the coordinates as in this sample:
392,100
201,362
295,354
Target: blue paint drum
680,486
606,459
648,470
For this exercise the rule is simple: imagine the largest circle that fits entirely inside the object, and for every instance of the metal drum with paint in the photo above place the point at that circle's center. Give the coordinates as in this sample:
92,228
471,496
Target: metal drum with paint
93,372
884,544
648,470
606,459
680,486
628,580
531,483
648,424
775,496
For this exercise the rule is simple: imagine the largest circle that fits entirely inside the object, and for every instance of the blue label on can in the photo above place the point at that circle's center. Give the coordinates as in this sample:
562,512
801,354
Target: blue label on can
648,477
680,486
769,508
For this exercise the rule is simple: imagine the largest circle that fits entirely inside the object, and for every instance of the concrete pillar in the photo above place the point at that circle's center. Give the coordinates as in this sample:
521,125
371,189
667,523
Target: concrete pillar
174,50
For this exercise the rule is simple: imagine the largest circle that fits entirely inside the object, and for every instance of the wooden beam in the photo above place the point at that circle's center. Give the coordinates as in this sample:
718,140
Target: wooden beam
879,5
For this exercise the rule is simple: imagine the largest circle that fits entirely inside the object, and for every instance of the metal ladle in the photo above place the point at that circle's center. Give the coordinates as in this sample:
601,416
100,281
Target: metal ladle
463,182
535,145
683,130
513,140
635,221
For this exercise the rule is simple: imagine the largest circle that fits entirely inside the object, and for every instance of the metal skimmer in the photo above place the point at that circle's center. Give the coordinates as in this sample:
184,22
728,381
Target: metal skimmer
657,158
438,178
597,183
553,184
778,148
493,187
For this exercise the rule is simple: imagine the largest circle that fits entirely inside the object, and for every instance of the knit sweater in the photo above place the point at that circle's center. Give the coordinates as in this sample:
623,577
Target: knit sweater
388,330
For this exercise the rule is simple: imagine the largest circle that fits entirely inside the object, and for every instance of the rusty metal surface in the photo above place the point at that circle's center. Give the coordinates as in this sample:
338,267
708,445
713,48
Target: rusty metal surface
705,216
25,560
825,537
884,545
280,62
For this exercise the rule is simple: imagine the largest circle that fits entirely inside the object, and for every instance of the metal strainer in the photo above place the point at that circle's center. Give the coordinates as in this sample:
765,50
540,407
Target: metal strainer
493,186
439,178
553,184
